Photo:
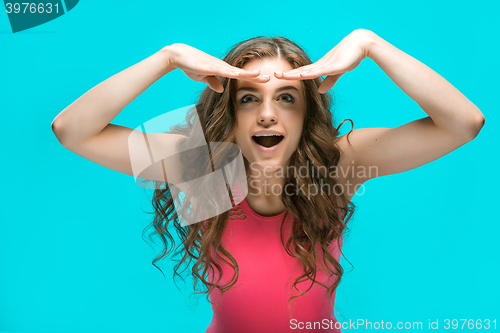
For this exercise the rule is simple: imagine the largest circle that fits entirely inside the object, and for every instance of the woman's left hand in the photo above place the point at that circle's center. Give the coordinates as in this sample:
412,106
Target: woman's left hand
344,57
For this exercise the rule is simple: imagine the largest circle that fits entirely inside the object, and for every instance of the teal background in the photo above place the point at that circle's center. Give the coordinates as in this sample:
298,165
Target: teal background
423,242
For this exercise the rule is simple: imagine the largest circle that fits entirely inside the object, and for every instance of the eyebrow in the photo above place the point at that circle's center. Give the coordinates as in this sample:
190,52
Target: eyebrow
257,90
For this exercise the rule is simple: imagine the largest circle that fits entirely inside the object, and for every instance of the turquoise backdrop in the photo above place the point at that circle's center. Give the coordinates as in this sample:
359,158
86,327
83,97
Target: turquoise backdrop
424,243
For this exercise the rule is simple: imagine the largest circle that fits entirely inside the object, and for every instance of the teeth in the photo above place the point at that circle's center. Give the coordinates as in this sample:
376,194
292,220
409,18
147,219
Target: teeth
267,135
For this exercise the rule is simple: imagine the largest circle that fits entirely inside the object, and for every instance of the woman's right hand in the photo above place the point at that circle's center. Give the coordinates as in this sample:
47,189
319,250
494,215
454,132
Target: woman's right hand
202,67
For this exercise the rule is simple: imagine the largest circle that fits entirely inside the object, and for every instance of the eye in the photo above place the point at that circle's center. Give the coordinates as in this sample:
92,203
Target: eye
243,98
290,100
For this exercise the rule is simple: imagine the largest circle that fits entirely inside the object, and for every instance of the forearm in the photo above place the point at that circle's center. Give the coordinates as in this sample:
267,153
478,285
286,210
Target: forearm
94,110
447,107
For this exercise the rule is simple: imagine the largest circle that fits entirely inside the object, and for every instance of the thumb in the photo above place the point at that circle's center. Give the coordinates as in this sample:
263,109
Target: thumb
213,83
328,83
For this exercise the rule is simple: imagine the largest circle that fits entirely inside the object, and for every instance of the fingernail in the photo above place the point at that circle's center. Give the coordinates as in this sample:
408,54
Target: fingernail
278,73
266,76
236,73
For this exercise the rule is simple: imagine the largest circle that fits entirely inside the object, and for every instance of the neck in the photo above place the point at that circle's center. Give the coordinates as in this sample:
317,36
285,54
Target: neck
265,189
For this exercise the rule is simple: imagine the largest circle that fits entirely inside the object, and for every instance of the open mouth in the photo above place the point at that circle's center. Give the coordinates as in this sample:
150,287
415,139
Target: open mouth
267,140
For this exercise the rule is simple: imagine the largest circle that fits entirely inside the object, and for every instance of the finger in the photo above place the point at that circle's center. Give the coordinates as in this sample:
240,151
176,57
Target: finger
213,83
318,71
301,69
260,79
304,75
226,71
325,70
290,75
252,76
308,68
328,83
233,72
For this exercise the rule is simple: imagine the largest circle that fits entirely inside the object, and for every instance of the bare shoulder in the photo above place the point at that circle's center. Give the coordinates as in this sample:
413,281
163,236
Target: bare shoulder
379,151
132,152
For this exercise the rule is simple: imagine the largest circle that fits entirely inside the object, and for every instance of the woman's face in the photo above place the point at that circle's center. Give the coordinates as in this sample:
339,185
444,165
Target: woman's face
277,106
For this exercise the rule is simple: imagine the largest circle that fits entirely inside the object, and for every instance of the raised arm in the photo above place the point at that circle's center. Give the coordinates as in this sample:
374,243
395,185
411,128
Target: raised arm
452,119
84,126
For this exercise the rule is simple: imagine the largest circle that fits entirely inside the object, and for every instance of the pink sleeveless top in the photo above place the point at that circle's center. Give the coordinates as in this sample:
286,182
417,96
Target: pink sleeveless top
258,302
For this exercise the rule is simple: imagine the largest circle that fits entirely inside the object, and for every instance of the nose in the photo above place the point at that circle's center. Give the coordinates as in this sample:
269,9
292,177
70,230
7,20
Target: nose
267,116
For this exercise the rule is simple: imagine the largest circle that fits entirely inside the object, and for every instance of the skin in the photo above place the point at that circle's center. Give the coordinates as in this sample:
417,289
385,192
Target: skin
268,109
452,120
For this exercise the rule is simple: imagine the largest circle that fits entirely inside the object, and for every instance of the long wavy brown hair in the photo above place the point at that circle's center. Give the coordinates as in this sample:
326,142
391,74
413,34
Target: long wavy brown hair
316,218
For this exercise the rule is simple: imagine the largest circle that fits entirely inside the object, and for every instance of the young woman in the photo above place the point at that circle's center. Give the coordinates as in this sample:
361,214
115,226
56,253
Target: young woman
282,240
